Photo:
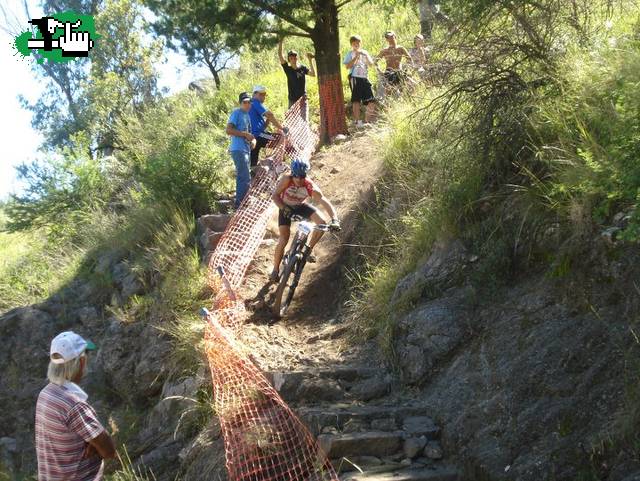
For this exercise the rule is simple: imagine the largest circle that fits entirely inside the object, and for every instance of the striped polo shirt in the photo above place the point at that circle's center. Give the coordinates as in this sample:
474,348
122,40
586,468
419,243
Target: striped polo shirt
65,423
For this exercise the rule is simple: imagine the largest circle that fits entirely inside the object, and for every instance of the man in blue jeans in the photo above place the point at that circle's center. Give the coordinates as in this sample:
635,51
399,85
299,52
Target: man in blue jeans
242,141
261,118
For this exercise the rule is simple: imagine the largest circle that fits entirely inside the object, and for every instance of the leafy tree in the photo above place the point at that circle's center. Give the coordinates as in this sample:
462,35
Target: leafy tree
200,41
90,94
260,22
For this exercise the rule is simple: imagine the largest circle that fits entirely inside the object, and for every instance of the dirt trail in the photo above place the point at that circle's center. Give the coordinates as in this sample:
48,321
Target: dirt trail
312,335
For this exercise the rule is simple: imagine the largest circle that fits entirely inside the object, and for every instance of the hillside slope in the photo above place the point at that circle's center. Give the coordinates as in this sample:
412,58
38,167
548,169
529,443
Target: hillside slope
137,366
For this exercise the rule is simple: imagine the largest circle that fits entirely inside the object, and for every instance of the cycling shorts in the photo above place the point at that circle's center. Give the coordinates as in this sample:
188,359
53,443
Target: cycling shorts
303,210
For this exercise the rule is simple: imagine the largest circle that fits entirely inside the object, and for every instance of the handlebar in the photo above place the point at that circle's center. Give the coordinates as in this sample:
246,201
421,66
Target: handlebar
322,227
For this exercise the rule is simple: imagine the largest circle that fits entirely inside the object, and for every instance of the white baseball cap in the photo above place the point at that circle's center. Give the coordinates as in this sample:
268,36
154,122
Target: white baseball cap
67,346
259,88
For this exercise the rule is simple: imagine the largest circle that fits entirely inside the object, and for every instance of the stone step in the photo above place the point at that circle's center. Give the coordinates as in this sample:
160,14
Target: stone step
436,473
389,446
369,443
349,418
331,385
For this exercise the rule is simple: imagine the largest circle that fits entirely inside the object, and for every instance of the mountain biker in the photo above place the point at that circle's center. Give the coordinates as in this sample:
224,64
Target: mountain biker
292,196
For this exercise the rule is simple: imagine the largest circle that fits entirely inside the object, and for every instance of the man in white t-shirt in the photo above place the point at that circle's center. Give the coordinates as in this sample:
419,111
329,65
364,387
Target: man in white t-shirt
357,62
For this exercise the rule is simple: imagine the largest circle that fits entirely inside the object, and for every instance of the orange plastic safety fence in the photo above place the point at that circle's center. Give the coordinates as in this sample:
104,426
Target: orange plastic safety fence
264,440
332,118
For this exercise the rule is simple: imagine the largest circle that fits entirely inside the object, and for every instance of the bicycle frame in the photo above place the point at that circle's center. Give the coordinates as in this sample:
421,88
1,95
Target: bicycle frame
293,263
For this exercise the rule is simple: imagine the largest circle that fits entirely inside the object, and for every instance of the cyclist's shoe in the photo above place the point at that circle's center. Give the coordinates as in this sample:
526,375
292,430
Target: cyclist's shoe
274,276
335,225
311,259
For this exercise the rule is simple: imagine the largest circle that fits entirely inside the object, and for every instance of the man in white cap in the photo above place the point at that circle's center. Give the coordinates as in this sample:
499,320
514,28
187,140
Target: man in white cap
71,444
261,117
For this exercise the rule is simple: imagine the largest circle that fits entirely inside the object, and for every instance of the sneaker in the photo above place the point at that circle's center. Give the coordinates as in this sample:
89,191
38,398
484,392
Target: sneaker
360,124
311,259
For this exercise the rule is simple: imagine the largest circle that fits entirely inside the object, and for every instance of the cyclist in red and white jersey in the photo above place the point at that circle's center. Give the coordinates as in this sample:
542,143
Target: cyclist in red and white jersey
292,196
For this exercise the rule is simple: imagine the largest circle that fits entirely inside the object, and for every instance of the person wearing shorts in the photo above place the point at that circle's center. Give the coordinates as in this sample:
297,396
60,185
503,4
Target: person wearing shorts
261,117
393,55
292,196
357,61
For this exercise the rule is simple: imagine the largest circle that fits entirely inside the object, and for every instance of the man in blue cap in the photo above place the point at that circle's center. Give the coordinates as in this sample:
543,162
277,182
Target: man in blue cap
242,141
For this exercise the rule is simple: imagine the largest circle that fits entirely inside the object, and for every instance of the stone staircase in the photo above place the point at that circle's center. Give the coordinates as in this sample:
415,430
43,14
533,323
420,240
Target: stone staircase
366,433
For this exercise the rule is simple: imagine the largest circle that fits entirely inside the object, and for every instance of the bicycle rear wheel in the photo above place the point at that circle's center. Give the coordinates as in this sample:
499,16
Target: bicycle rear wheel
279,307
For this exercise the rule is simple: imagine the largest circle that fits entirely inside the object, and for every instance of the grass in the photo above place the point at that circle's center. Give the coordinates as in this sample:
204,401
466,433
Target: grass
577,167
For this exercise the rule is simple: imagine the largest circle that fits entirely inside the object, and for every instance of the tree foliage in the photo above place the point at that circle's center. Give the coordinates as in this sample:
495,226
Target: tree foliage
200,40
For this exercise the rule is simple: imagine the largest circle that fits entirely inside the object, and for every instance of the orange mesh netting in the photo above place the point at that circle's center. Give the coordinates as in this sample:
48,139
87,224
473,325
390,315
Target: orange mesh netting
332,117
264,440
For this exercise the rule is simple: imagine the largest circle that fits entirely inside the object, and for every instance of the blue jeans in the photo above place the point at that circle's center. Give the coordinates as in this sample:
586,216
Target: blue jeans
243,174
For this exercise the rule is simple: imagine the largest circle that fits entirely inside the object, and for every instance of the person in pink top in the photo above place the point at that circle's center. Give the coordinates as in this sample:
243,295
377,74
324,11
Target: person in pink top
292,196
71,443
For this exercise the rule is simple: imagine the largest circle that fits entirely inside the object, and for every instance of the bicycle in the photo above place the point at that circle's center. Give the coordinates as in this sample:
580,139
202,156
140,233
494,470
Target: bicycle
293,262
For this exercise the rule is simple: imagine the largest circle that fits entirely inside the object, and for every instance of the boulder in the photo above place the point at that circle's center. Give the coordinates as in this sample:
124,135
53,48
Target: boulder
213,222
443,269
209,239
413,446
433,450
421,426
371,388
429,333
319,389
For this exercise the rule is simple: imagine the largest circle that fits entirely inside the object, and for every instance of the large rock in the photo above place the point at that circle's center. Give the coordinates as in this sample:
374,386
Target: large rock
428,334
421,426
371,388
443,269
213,222
413,446
209,239
176,402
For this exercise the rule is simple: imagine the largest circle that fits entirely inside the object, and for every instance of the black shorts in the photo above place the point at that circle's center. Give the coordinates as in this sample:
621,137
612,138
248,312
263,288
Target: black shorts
394,77
361,90
303,210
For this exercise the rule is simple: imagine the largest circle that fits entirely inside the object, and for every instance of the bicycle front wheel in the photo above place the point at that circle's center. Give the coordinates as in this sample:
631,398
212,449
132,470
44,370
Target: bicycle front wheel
279,307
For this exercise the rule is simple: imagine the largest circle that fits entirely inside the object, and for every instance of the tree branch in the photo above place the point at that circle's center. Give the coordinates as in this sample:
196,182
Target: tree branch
287,18
343,3
290,33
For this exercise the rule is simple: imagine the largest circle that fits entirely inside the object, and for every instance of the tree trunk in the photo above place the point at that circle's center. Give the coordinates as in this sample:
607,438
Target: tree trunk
429,14
216,78
327,46
426,17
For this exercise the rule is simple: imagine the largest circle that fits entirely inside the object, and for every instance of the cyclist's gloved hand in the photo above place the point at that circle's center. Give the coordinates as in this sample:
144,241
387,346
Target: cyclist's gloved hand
335,225
287,212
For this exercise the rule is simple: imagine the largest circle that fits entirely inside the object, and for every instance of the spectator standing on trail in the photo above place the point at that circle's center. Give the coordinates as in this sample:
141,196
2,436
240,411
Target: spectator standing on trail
357,62
393,56
242,142
71,444
261,117
296,75
419,53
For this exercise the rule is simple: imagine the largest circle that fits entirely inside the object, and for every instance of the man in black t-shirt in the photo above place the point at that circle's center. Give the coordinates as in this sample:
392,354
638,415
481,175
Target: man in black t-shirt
296,74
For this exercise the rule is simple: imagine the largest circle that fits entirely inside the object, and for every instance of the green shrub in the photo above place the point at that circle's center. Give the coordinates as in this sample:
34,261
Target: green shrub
589,133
